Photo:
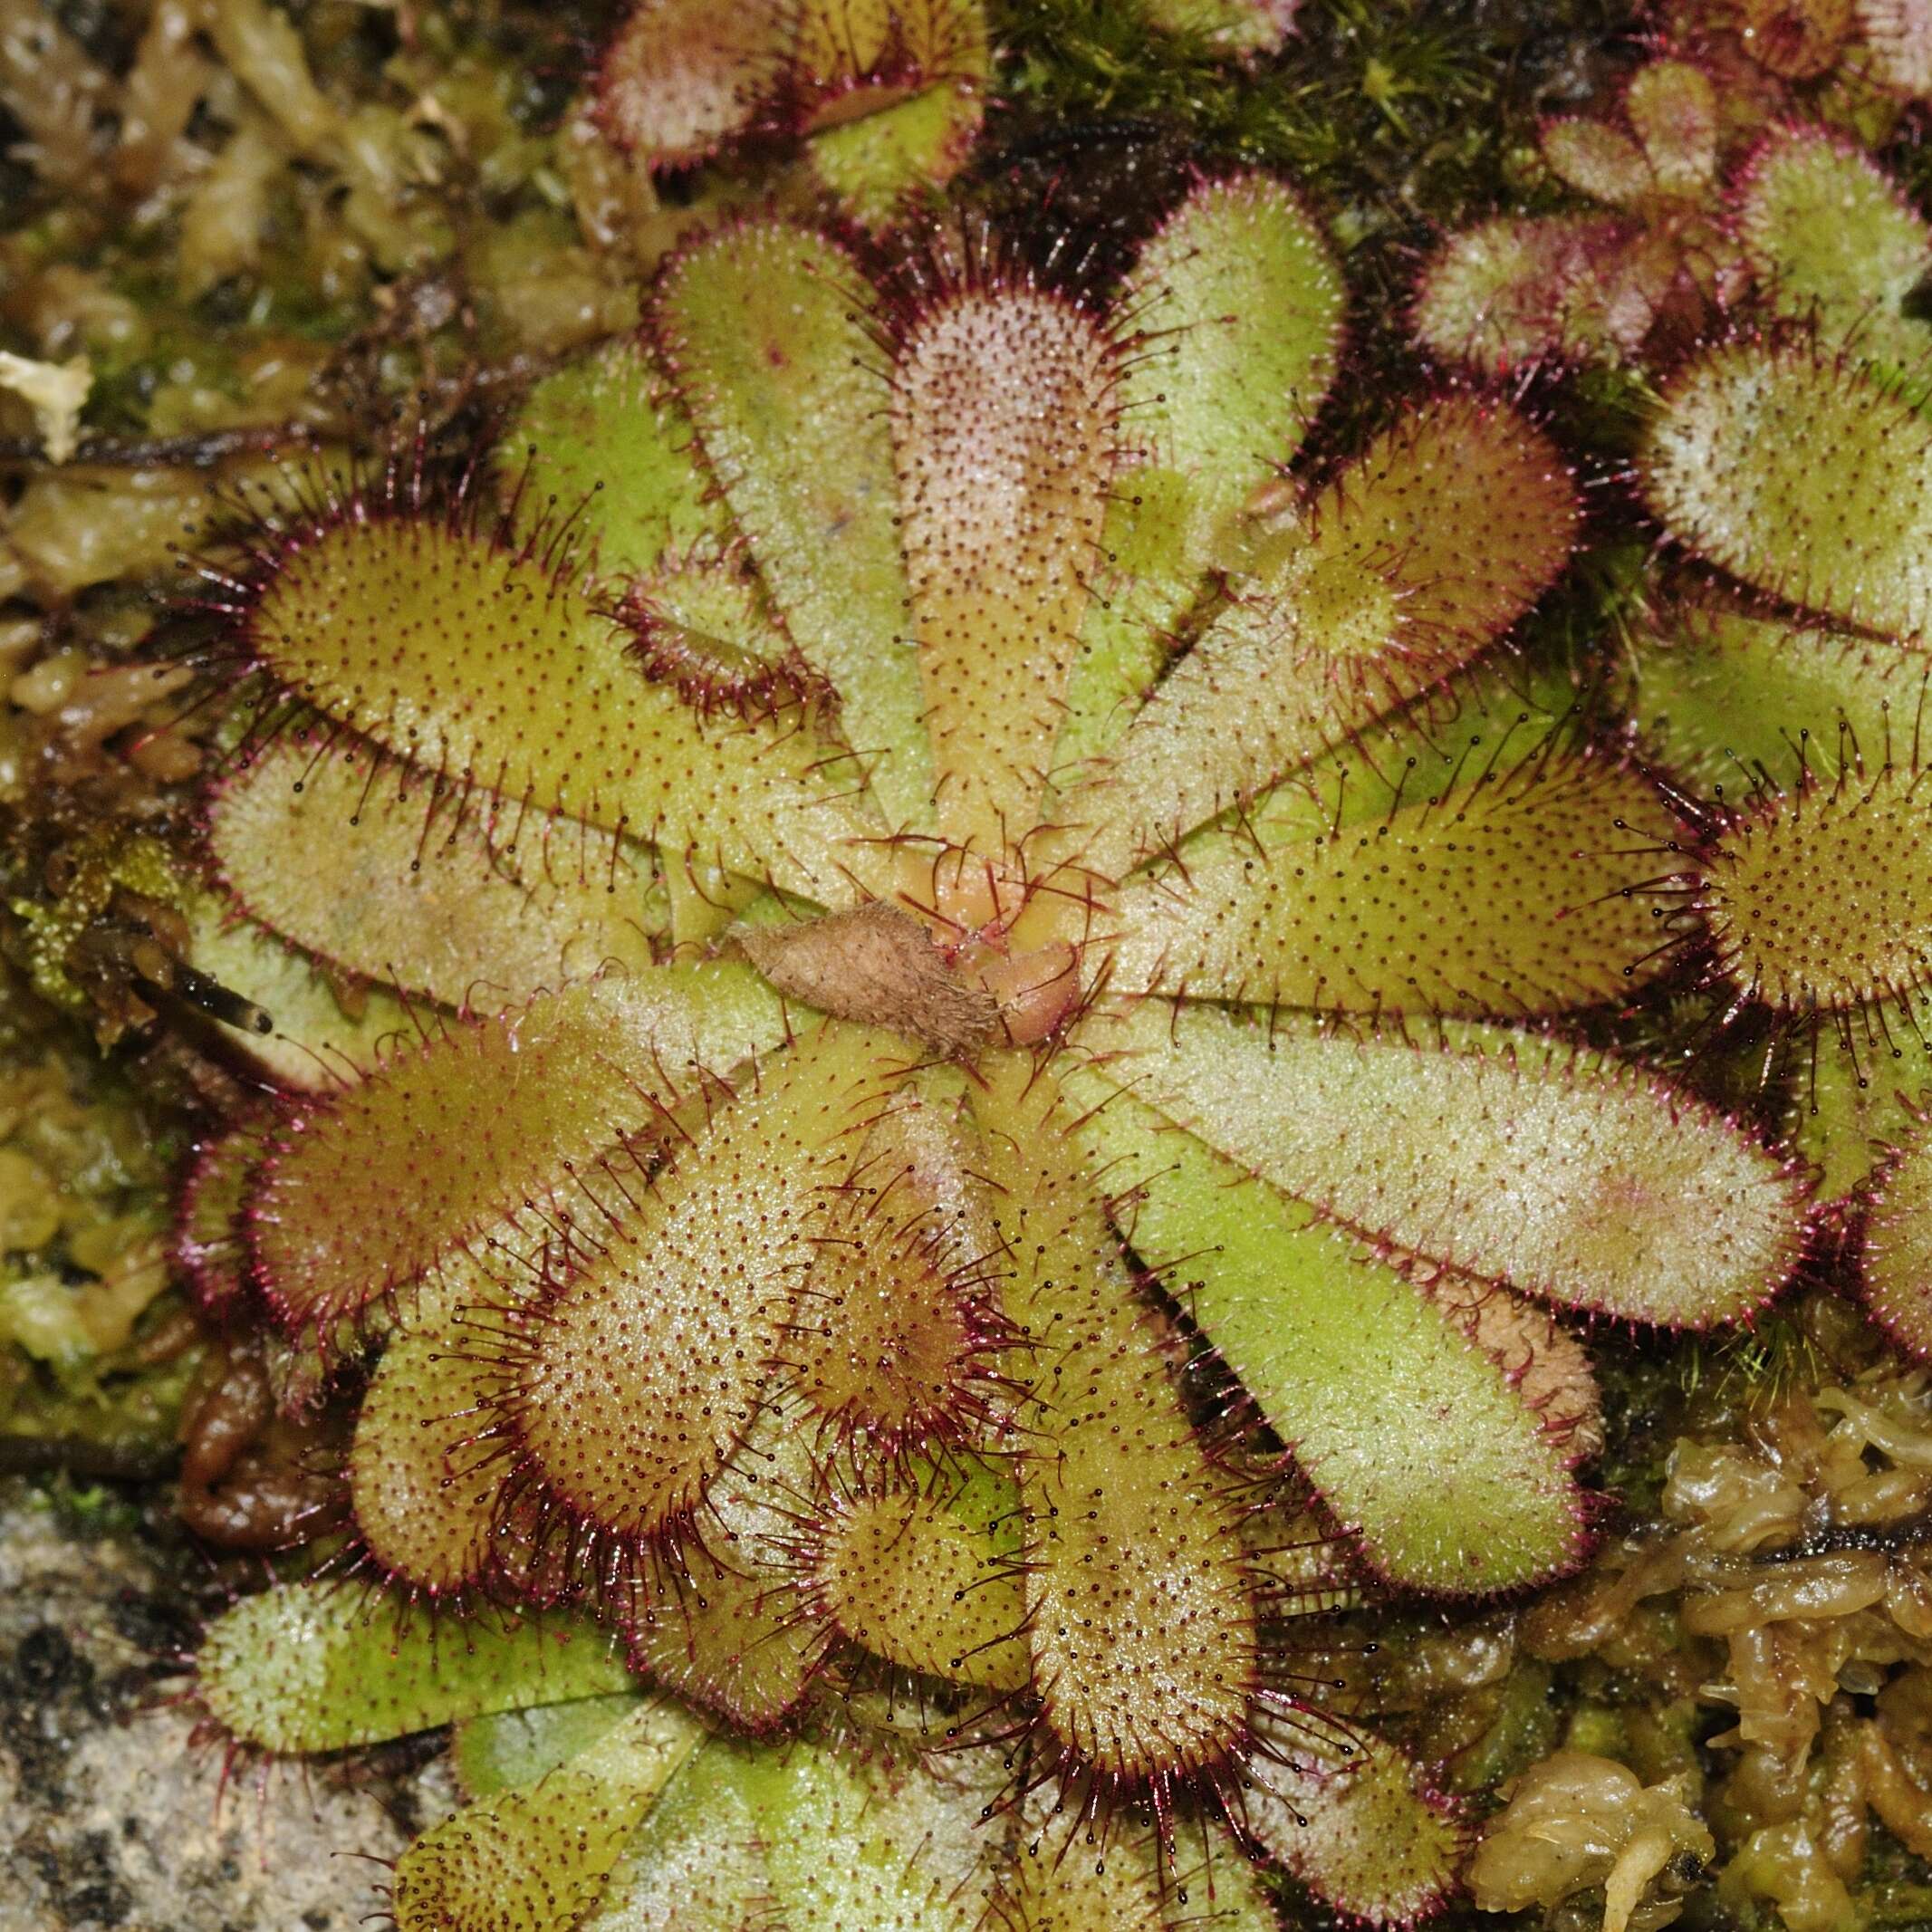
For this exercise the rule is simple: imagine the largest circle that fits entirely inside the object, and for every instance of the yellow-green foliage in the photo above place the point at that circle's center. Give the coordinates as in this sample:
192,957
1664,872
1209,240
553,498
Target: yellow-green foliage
754,1257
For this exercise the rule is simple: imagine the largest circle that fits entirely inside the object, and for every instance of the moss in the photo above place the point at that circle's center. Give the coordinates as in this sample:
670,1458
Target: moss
1405,118
95,1356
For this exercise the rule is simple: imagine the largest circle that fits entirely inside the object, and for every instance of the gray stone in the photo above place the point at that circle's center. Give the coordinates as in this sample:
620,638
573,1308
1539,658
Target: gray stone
112,1817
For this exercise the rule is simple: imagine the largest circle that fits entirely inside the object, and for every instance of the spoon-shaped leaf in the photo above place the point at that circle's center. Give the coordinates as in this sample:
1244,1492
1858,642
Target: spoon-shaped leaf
638,1372
1418,1441
1004,422
1426,550
1366,1833
1238,307
364,1195
481,662
718,1617
1804,477
1567,1174
1831,238
918,1571
1822,897
765,331
445,893
536,1859
319,1666
1512,883
1898,1244
1143,1618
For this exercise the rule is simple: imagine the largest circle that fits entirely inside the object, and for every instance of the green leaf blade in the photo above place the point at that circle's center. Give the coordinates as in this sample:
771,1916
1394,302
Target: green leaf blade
765,330
1468,1493
1567,1175
321,1667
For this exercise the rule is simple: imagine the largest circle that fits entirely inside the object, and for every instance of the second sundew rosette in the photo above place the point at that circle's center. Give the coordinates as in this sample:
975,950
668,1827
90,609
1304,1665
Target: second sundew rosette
998,927
1788,678
1782,677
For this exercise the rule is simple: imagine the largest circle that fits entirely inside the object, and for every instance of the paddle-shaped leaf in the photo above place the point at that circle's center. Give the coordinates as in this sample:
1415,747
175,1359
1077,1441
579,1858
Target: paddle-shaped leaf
1575,1177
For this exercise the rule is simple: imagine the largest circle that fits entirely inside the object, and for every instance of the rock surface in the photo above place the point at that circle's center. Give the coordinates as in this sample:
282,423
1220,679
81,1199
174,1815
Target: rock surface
111,1821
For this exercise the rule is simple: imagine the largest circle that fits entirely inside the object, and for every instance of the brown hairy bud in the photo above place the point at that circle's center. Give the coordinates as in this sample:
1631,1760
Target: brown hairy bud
876,964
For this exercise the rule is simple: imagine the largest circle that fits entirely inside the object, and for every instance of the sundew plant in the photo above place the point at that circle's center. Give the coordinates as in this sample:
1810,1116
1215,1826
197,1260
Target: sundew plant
987,939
